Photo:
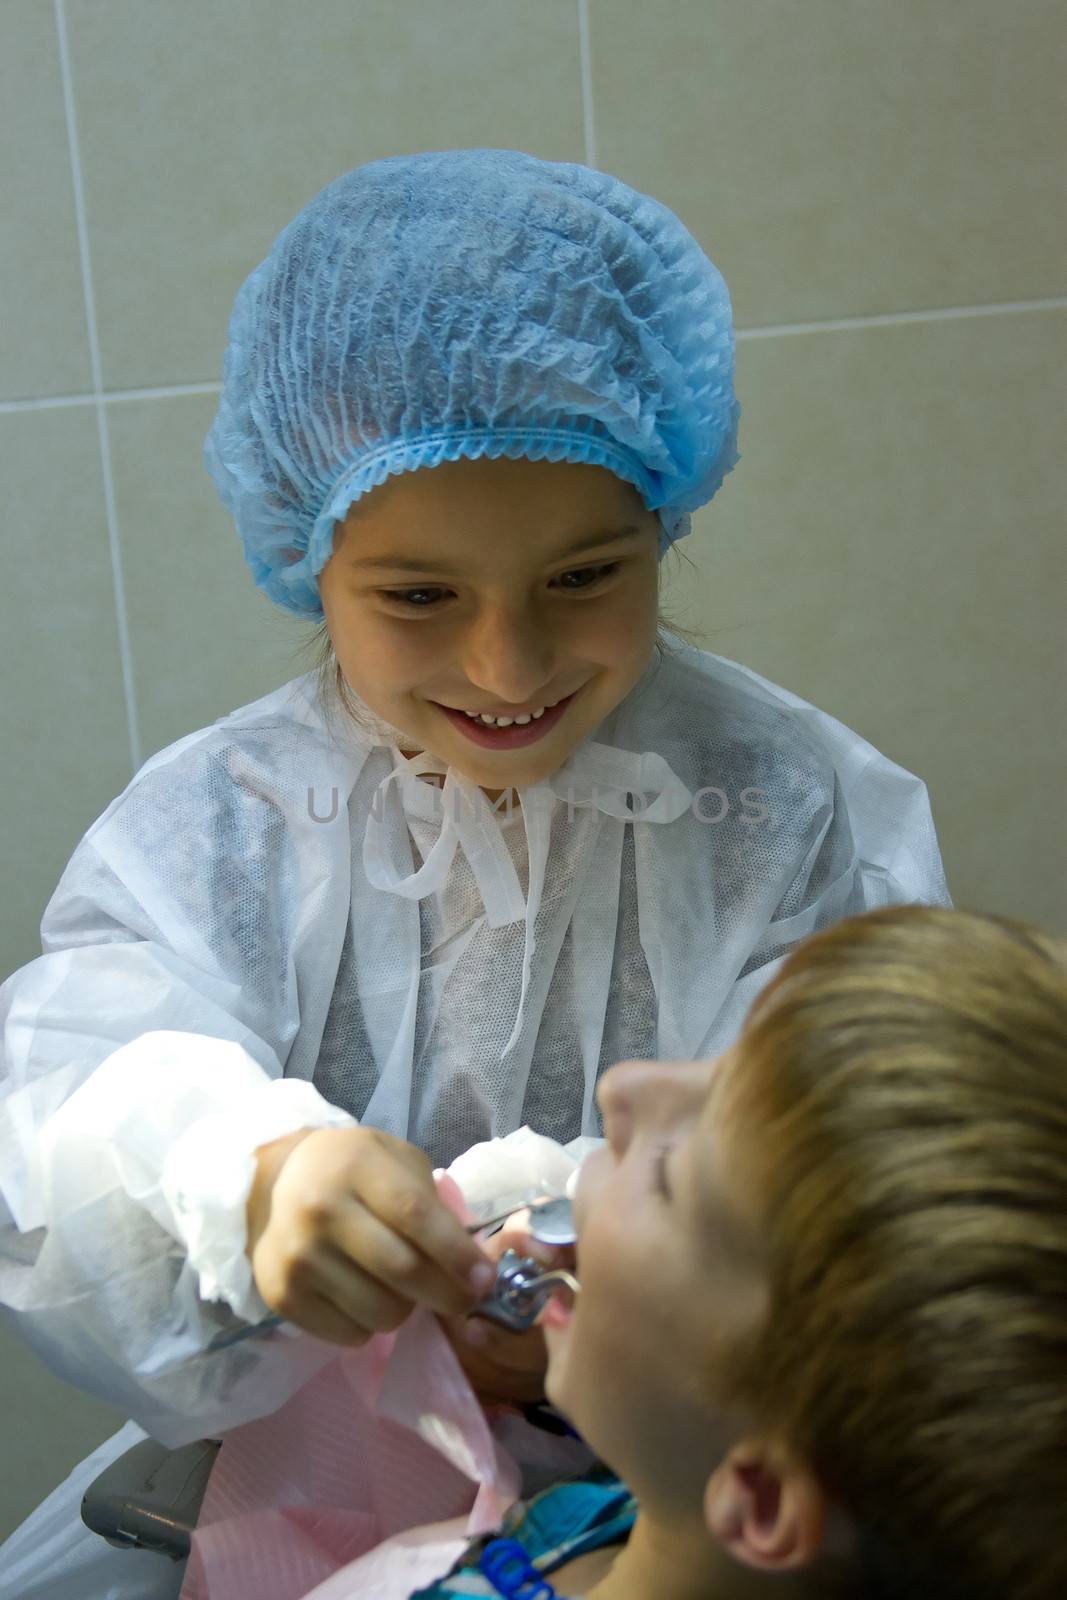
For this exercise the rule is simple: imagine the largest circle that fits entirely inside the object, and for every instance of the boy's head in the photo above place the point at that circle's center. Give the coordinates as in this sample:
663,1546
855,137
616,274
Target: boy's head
824,1280
508,588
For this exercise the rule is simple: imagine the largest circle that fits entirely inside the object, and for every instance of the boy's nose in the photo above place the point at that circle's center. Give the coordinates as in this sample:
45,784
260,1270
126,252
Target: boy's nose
635,1094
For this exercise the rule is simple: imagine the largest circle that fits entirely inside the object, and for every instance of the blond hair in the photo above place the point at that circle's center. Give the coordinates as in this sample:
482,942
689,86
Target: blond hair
907,1074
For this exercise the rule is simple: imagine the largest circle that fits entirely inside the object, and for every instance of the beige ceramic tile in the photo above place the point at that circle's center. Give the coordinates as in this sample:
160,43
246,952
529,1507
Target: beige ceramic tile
43,345
892,547
63,726
836,158
204,640
205,128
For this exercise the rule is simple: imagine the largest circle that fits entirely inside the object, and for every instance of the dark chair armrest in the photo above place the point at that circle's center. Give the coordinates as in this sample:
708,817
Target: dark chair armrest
150,1498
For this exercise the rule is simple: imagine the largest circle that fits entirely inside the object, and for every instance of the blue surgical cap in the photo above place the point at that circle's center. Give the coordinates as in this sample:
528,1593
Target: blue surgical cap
467,303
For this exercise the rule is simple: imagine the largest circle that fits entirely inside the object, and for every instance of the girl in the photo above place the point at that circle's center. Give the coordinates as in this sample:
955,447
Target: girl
506,837
822,1330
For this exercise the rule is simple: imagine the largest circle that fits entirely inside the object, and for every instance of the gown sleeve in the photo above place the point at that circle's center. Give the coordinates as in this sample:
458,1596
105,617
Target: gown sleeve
872,843
143,1060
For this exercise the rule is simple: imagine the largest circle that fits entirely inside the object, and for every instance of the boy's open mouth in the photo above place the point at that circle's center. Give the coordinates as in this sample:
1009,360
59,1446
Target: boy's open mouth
559,1309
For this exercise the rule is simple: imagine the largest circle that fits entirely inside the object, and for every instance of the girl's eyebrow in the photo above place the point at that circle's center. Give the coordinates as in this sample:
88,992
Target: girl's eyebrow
398,563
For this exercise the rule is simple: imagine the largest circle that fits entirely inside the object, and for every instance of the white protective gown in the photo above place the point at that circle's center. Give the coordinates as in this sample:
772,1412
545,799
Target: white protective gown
310,933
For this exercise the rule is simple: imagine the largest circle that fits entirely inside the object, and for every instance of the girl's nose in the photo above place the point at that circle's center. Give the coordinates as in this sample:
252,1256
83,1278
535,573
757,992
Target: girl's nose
509,655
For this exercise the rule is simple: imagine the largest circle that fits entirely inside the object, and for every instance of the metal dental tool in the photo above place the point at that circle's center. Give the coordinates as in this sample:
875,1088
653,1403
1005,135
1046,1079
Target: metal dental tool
521,1291
551,1220
523,1285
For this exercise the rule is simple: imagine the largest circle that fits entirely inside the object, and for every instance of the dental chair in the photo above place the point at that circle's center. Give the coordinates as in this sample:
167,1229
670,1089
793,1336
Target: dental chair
150,1498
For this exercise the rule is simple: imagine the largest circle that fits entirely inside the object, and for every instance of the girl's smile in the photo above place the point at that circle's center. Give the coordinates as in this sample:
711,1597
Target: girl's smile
508,732
495,611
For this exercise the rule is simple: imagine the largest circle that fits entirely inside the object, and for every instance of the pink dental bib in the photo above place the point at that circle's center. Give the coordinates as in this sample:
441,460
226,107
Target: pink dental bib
371,1479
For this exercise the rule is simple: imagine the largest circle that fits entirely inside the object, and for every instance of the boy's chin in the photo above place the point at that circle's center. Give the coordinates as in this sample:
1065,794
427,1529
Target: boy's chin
555,1387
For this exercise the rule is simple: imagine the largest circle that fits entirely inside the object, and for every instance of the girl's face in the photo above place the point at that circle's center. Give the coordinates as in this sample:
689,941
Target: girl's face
669,1264
495,586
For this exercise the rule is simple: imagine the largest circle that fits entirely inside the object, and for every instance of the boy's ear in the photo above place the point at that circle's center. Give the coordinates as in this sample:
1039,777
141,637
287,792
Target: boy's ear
765,1508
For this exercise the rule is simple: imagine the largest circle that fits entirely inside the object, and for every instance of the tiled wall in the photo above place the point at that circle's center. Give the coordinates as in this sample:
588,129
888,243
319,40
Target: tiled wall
883,187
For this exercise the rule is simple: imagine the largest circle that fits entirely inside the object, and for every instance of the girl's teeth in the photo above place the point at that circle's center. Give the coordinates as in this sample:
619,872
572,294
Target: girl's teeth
505,722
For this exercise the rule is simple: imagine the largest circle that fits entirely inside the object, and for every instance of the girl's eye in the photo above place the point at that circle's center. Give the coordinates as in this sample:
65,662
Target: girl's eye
585,577
418,599
426,596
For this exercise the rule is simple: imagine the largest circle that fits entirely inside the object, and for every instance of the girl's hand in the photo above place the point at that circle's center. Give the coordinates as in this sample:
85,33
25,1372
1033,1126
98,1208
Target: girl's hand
502,1366
346,1234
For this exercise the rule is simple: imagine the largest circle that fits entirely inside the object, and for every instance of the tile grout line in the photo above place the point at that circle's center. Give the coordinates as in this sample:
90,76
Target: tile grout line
98,399
585,58
892,319
743,335
166,391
